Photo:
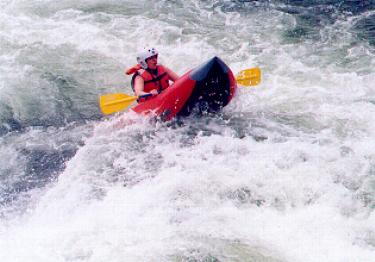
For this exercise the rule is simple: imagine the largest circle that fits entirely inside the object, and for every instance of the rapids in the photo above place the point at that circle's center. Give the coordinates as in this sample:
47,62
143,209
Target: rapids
286,172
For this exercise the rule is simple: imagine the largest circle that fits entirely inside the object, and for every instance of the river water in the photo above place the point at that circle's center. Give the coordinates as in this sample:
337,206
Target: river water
286,172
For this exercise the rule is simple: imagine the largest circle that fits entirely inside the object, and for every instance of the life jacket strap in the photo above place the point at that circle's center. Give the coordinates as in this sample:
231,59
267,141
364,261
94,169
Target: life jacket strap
158,78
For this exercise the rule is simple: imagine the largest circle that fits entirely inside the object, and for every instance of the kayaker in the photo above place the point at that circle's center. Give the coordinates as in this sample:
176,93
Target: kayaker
149,77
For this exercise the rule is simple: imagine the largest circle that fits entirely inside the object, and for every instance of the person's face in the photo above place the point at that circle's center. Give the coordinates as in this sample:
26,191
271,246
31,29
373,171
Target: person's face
152,62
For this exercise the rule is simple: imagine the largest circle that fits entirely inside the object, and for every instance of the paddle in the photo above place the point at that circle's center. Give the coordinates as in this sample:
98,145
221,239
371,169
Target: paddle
248,77
111,103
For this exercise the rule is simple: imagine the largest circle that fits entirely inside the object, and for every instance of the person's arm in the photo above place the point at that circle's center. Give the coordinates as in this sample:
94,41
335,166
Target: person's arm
172,75
139,85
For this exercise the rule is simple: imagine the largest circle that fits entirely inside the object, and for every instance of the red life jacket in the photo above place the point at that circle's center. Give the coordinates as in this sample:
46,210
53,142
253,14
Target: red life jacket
158,81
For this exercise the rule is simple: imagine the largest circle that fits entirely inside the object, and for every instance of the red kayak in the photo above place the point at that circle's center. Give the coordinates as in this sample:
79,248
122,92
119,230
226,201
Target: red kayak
207,88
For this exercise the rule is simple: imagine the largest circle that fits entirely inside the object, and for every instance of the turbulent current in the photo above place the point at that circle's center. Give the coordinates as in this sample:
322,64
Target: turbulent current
285,172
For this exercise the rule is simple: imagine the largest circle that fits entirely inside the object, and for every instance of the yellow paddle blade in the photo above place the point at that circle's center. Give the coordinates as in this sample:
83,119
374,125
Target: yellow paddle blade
112,103
249,77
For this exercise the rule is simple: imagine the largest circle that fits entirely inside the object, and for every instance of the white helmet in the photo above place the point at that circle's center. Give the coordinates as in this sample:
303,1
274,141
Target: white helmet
144,54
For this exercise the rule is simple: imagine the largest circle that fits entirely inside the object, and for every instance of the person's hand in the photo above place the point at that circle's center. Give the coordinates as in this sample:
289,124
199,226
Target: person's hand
154,92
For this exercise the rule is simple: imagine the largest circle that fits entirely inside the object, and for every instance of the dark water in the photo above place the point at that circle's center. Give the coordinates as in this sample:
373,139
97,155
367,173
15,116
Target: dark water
312,16
33,158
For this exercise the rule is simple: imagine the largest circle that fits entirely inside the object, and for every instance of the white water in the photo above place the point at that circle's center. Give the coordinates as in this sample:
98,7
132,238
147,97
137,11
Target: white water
285,174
